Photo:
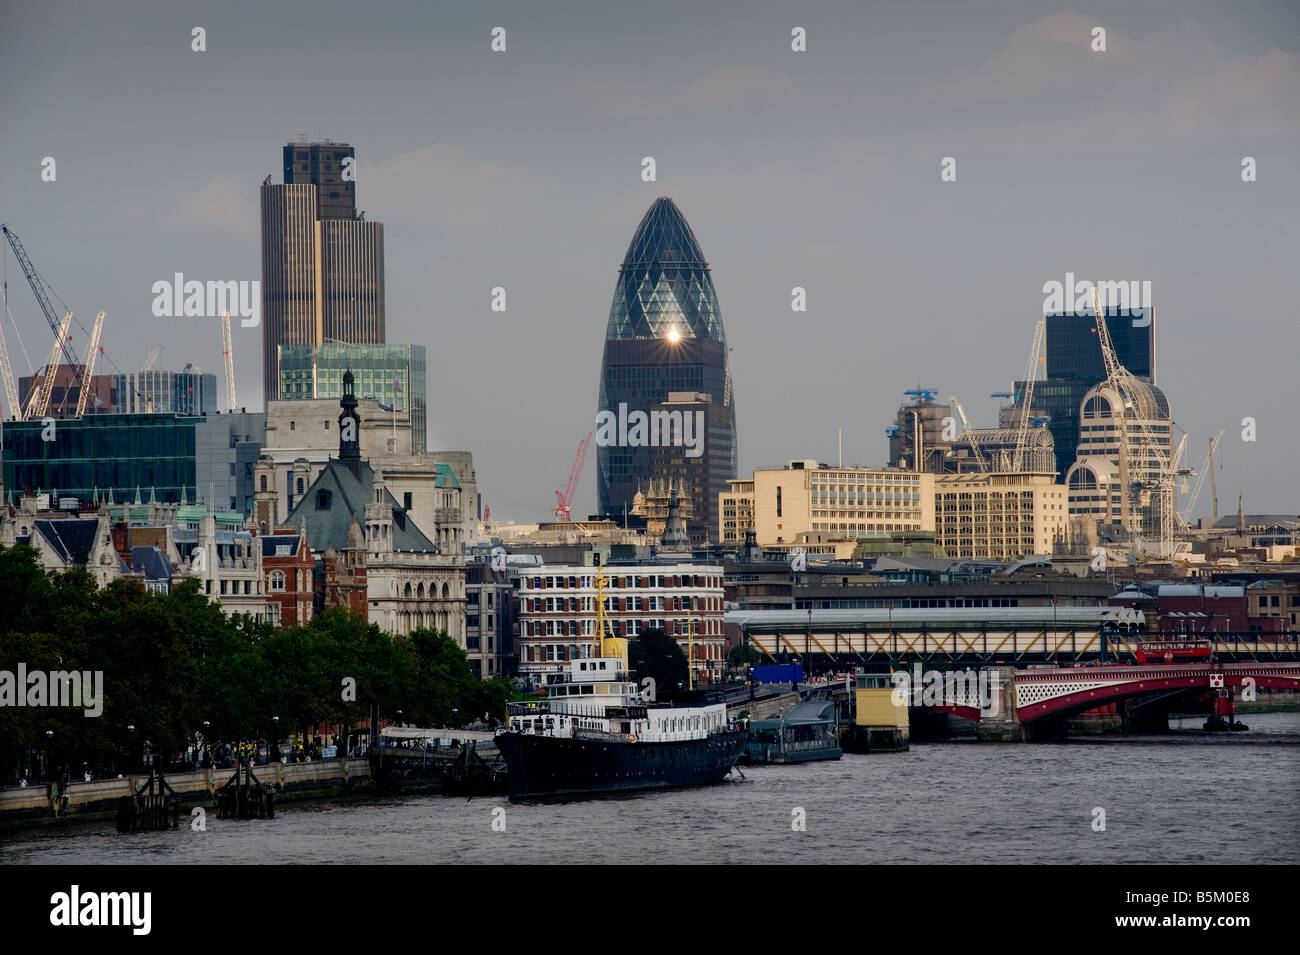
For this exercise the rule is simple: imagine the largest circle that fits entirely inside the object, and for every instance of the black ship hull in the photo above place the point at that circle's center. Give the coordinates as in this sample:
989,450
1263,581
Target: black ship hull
540,766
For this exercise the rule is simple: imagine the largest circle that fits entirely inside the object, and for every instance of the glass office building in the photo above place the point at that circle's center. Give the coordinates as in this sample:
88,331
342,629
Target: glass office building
188,392
392,374
99,453
664,335
175,457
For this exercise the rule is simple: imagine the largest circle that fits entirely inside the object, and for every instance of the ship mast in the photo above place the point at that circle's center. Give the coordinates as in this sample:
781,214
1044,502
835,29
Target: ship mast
610,645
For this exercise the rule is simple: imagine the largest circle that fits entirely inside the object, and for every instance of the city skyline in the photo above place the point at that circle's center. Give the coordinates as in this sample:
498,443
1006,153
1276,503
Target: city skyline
818,170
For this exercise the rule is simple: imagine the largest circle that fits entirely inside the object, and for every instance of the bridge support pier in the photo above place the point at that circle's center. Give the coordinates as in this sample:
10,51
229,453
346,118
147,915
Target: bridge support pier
1144,719
1000,723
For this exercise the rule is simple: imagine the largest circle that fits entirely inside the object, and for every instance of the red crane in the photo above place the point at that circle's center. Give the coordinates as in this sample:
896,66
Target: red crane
564,498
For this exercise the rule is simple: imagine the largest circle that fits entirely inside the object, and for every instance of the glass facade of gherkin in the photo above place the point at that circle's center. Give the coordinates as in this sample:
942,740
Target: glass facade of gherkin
664,336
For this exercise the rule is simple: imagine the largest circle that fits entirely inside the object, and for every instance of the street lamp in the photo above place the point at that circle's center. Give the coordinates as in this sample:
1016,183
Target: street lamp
49,751
275,731
130,748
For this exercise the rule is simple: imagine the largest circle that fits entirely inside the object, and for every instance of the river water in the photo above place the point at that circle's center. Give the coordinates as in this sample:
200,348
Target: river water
1187,797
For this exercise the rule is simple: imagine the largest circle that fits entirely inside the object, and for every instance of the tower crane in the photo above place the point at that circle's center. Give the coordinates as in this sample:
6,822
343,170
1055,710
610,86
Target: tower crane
38,402
91,352
1127,386
153,357
229,353
1031,375
1207,464
969,433
38,289
11,389
564,498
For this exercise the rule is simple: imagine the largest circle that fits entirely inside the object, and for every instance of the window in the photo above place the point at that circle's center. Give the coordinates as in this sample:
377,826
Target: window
322,500
406,500
276,579
261,484
292,426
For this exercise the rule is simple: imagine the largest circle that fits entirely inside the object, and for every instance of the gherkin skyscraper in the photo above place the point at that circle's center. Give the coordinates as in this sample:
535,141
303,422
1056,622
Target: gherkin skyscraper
666,409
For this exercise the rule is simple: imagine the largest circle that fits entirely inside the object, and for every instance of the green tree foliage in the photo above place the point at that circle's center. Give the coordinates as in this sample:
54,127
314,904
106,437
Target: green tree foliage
656,655
743,654
172,662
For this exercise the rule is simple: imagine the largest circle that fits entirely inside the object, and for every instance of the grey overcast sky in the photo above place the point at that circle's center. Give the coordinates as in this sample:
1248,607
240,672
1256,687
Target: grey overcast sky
817,169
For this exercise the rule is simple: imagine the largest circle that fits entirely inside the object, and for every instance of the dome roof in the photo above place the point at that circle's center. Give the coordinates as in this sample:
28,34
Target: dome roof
1151,403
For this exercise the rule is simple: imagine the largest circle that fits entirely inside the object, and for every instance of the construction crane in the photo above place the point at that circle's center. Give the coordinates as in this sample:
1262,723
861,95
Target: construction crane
1128,387
229,353
1027,402
922,394
89,370
38,289
564,498
969,433
153,357
38,402
11,389
1207,464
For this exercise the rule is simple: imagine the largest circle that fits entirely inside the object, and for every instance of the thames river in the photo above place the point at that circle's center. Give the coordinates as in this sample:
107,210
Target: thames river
1183,798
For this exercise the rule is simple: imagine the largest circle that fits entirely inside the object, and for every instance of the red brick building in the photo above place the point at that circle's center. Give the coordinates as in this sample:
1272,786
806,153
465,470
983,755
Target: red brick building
288,566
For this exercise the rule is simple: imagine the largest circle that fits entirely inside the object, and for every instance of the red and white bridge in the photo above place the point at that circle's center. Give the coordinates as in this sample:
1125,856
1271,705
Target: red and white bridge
1034,695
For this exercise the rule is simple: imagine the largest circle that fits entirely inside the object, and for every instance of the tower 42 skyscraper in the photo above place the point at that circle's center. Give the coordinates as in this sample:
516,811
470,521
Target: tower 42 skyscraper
666,406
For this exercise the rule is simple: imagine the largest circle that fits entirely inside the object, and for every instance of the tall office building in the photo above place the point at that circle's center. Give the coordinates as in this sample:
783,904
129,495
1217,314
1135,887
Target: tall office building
323,165
665,336
1074,366
322,266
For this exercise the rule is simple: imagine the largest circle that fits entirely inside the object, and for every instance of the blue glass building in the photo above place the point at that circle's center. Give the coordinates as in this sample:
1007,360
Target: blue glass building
665,335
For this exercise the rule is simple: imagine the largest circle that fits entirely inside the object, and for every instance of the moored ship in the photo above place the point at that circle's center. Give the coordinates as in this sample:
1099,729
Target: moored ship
597,732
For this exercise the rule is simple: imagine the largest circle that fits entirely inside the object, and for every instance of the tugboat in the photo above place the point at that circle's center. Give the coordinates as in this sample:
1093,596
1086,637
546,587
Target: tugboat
1223,714
597,733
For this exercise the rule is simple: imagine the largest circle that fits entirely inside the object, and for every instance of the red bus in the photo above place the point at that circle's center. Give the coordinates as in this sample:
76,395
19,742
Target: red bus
1173,650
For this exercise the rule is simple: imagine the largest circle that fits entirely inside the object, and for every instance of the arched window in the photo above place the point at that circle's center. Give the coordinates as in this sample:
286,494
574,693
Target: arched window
299,485
419,590
262,483
445,592
406,592
277,581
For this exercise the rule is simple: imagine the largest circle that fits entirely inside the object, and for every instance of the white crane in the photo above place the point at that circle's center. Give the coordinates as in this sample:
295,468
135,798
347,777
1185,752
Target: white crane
969,433
229,353
11,389
89,363
38,402
153,357
1206,466
1027,400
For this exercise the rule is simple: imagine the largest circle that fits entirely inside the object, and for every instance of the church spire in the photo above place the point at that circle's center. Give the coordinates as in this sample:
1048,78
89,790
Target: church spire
350,427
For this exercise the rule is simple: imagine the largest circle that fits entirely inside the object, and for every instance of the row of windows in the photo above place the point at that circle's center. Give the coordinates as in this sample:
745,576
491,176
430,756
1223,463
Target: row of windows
586,581
703,627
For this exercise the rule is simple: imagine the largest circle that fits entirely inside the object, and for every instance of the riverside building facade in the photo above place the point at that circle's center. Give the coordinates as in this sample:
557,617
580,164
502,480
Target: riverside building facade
557,613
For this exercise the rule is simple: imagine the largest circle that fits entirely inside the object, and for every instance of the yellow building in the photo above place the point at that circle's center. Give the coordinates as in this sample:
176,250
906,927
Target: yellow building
996,516
807,500
735,512
1000,516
